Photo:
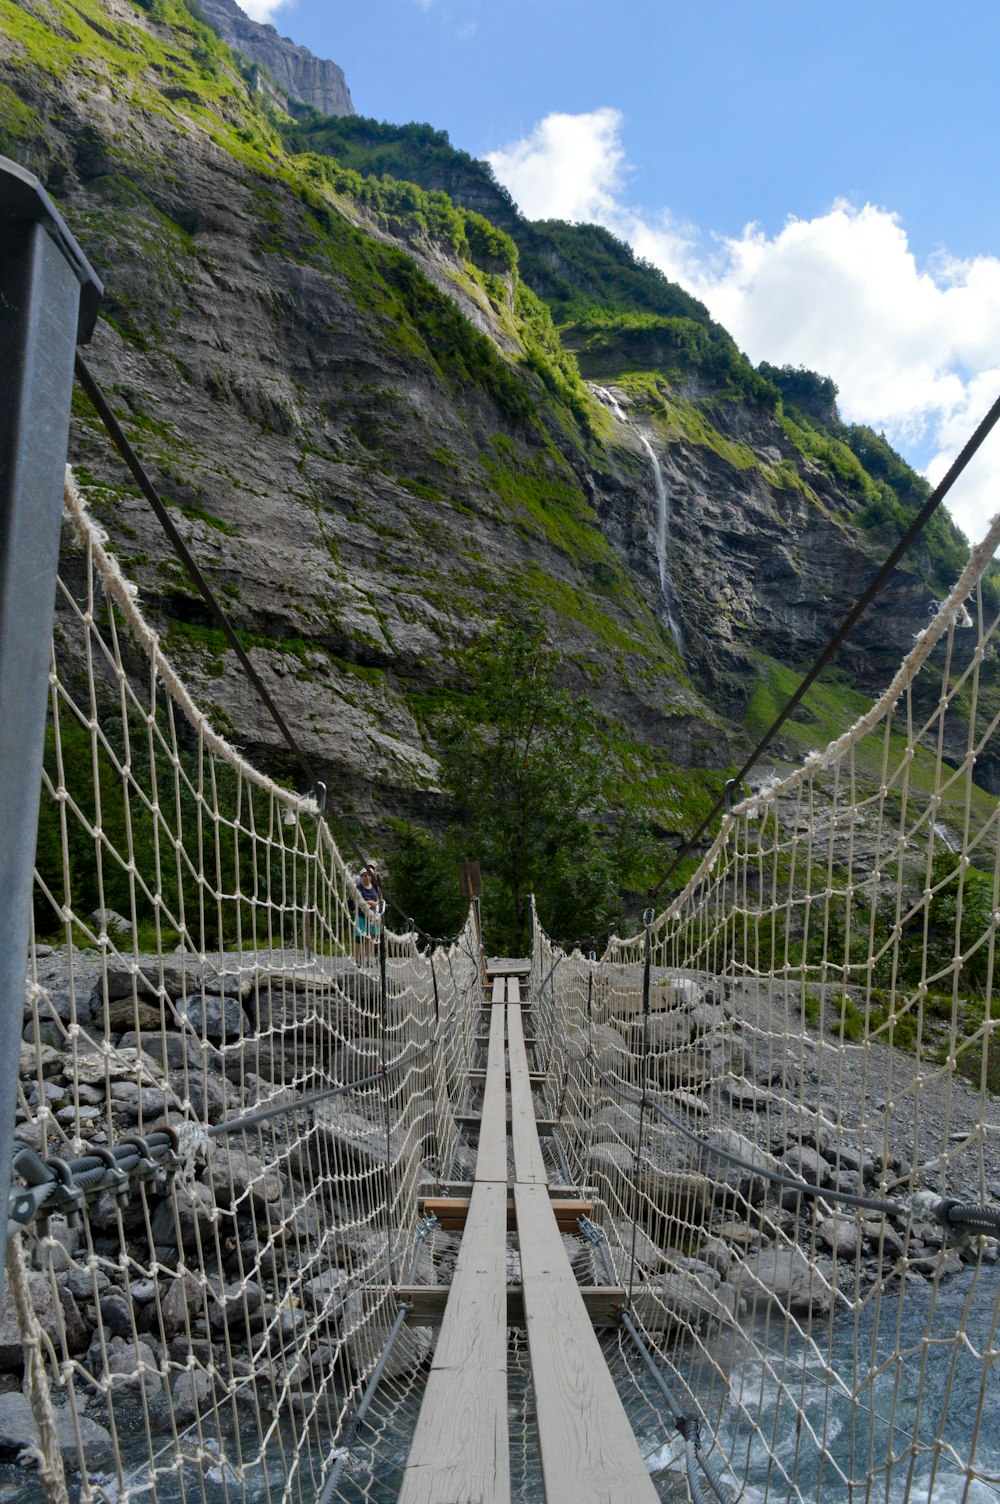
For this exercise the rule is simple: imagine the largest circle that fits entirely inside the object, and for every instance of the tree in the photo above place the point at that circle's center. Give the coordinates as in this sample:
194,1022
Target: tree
526,772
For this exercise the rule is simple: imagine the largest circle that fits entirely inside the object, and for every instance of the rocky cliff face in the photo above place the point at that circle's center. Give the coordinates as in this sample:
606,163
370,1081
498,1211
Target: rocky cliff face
301,77
373,448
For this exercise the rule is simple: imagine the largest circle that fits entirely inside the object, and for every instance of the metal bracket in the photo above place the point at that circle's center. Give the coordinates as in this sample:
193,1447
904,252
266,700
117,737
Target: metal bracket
50,1188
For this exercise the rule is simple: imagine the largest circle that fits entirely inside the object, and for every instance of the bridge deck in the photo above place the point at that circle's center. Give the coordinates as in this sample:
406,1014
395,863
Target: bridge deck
461,1445
588,1448
460,1450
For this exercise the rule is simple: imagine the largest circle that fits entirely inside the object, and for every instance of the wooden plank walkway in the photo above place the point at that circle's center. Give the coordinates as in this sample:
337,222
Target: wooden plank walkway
461,1445
588,1448
460,1451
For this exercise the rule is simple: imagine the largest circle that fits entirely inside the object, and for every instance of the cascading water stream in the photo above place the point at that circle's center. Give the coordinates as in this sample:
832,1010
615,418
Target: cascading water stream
609,400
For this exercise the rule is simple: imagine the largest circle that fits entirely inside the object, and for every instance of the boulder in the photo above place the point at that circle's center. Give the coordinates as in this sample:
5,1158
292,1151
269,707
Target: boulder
348,1143
841,1235
128,1013
616,1125
182,1304
786,1278
213,1016
691,1301
189,1396
119,1065
49,1310
366,1331
691,1065
808,1164
169,1051
150,976
669,1030
112,922
326,1293
18,1430
189,1209
737,1172
239,1180
133,1366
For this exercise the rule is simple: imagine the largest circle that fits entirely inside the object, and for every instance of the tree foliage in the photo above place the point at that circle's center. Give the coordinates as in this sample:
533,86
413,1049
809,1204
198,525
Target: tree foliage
526,773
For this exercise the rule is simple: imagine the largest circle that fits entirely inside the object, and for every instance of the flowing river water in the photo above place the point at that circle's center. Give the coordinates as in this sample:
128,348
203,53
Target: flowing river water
956,1390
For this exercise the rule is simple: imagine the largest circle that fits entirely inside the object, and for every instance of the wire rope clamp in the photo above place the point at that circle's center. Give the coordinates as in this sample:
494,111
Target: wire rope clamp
49,1187
116,1179
170,1159
149,1171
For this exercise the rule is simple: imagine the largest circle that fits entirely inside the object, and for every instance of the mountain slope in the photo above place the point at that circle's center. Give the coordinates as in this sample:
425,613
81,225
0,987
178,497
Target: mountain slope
375,439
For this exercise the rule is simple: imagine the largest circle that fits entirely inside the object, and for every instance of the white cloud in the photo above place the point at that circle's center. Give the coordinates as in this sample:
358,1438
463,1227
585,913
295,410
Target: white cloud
263,10
913,349
570,167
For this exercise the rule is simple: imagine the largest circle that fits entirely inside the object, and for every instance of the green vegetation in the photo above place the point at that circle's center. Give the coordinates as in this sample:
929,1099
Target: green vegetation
889,494
596,269
610,341
110,824
526,774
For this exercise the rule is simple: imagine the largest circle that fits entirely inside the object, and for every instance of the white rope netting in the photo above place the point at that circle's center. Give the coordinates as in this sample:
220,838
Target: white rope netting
821,1008
817,1006
197,959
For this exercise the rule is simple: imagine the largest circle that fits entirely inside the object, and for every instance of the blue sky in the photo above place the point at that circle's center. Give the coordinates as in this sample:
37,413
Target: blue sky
821,175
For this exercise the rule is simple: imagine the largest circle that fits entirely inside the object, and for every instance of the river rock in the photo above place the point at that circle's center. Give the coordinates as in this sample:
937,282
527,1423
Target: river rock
670,1030
786,1277
326,1293
239,1180
616,1125
117,1065
170,1051
213,1017
689,1300
745,1179
169,976
841,1235
808,1165
18,1430
195,1211
53,1314
189,1395
367,1331
182,1304
347,1142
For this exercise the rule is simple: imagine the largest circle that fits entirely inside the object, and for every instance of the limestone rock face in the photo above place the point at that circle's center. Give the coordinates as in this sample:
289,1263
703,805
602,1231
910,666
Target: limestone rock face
300,75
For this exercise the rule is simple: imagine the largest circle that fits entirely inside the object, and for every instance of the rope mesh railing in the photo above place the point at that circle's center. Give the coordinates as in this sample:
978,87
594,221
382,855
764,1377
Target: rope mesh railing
211,1314
784,1099
780,1099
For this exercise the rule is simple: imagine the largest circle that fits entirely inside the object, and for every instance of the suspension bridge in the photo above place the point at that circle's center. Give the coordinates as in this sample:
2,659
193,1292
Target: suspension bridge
713,1214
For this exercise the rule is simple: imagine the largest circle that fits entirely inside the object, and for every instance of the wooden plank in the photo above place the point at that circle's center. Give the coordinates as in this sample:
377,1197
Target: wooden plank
588,1448
528,1163
506,966
464,1188
499,992
603,1303
474,1120
452,1212
491,1159
537,1078
460,1448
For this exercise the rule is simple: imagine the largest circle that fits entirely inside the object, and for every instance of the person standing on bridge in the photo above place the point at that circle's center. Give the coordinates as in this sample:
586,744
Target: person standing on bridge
369,915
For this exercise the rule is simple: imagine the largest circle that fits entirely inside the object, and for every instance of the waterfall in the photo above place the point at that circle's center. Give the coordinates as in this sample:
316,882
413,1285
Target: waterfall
609,400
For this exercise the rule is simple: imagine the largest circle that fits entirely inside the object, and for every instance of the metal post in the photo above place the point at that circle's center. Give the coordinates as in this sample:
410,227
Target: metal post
49,298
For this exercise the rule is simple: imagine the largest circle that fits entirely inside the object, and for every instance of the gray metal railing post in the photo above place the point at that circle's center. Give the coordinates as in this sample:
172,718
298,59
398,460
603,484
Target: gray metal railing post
49,298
